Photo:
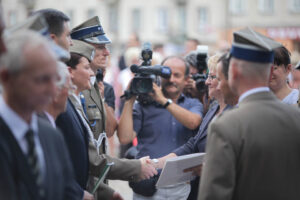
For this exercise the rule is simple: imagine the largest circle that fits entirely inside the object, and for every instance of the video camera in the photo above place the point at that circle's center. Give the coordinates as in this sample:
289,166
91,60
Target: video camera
145,75
198,59
99,75
200,81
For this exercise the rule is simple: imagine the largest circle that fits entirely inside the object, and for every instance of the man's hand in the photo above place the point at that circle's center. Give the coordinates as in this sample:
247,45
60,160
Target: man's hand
117,196
191,84
87,196
196,170
101,88
147,168
157,95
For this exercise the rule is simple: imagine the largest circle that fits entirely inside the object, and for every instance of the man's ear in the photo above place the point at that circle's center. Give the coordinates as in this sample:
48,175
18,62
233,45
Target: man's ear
234,71
71,72
288,68
271,72
186,79
53,37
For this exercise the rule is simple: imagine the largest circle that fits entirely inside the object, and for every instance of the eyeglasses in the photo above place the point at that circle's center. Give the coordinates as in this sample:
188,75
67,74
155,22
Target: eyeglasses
211,77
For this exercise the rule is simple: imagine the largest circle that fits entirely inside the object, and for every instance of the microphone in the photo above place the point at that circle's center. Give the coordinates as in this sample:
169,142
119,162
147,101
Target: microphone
134,68
162,71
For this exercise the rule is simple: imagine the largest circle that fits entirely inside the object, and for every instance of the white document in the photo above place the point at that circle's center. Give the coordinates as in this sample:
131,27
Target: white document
172,172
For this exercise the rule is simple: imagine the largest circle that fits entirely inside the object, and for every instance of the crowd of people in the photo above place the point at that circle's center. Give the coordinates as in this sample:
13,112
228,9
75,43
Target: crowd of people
239,106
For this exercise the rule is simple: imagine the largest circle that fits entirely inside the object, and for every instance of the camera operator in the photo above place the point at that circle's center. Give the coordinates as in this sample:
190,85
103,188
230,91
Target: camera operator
195,86
163,125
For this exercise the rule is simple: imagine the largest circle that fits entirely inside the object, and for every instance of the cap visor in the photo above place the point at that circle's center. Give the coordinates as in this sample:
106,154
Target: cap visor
100,39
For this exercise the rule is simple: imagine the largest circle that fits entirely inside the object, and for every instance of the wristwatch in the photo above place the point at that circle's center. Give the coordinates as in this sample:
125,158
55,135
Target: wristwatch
169,101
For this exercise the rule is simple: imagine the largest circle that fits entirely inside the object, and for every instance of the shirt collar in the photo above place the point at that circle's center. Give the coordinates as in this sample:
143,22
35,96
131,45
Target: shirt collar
51,119
77,98
181,98
16,124
253,91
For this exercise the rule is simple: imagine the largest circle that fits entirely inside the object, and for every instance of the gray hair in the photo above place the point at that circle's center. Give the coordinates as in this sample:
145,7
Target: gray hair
254,71
63,74
17,43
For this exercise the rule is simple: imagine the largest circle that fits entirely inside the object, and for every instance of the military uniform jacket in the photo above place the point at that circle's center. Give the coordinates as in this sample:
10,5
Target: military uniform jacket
123,169
253,152
95,110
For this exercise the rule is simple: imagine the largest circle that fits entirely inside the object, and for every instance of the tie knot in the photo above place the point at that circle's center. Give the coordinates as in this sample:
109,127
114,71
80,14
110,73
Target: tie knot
29,135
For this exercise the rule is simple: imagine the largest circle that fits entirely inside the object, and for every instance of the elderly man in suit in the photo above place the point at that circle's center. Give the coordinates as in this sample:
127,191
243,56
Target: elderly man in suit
34,161
252,150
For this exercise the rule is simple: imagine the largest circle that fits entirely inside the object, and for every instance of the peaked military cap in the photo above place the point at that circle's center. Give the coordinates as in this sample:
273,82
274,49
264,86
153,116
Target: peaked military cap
90,31
252,46
83,49
38,23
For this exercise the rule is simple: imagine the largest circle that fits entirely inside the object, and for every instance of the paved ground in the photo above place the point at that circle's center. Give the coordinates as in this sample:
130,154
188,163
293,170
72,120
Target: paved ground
121,187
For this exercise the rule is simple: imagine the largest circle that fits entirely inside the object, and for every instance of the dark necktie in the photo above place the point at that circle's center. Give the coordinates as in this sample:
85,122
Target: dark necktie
33,162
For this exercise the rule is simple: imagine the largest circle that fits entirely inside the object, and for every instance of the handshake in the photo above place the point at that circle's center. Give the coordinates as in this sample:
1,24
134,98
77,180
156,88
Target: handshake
148,168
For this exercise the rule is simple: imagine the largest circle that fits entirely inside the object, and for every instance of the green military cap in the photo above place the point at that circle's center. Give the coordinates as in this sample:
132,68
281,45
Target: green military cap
90,31
83,49
252,46
38,23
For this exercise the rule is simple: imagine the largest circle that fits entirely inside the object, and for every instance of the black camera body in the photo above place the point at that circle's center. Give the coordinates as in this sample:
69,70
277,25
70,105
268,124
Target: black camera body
99,75
145,75
200,81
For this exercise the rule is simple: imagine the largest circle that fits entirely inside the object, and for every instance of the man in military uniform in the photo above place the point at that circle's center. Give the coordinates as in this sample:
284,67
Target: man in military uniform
92,32
252,151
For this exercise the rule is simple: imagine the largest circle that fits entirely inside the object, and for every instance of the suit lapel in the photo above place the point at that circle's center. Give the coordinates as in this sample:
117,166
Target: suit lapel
79,122
44,144
94,92
23,171
79,107
208,117
95,98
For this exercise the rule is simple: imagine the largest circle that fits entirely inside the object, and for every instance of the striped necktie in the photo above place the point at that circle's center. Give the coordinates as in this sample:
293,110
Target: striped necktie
33,162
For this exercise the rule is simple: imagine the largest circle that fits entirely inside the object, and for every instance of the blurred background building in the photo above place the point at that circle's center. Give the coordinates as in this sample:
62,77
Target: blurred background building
172,21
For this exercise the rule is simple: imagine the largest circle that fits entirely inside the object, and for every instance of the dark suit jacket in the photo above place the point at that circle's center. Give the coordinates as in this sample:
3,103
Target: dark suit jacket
253,151
16,181
76,137
197,143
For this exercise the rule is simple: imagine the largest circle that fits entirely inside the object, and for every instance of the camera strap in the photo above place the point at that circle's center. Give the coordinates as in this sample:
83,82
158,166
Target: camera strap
127,95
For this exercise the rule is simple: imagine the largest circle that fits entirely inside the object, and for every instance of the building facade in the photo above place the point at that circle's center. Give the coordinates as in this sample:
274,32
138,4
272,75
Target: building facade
172,21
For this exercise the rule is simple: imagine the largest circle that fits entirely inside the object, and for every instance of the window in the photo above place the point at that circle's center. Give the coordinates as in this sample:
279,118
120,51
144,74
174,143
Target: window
70,14
182,19
136,20
162,20
237,7
202,18
294,5
113,18
91,13
266,6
